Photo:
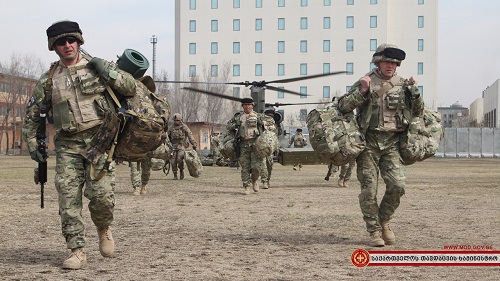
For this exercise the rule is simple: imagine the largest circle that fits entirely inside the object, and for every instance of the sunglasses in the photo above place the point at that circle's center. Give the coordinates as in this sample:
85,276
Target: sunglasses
62,41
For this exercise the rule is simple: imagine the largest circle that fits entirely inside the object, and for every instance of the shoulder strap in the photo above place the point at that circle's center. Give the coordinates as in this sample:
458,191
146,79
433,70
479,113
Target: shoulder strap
47,89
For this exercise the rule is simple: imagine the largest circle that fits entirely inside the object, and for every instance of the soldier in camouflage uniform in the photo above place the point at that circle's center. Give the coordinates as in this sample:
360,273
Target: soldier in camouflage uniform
267,164
299,141
345,173
246,126
214,146
385,103
178,135
140,172
76,106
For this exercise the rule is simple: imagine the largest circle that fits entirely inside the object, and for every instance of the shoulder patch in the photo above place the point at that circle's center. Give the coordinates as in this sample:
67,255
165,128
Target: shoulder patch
31,101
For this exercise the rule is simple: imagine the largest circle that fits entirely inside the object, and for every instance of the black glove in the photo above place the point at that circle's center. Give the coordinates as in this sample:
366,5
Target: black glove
37,156
100,66
194,148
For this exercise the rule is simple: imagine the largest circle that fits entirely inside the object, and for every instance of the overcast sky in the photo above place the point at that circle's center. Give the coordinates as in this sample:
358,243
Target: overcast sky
468,36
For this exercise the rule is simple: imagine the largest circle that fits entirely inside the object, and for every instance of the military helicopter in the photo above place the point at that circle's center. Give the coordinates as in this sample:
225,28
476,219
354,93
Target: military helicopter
257,92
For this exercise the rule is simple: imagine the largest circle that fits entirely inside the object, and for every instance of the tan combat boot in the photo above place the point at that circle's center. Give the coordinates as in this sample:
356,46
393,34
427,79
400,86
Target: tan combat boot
376,239
136,191
76,260
265,185
143,189
255,186
247,190
268,185
387,233
341,182
106,242
345,183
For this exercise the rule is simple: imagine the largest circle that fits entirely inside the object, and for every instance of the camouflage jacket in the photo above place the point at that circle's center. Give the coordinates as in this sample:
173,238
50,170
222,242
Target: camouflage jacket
76,101
298,141
179,134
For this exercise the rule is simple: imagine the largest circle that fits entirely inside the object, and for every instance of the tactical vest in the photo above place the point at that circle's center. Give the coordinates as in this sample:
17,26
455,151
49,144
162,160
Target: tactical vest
299,141
75,92
248,128
388,104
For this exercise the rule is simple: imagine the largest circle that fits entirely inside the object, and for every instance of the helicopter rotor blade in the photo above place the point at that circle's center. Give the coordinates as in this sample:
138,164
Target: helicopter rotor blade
284,90
199,82
306,77
278,104
212,94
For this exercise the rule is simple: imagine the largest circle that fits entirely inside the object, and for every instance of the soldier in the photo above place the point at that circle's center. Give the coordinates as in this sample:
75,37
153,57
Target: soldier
345,173
267,164
299,141
73,93
177,135
140,172
246,127
214,146
385,103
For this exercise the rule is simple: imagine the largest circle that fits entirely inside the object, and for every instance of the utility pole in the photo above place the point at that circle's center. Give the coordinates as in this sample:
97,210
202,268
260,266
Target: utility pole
154,40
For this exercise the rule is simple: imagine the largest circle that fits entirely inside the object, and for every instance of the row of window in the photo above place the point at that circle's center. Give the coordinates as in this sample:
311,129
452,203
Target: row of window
303,46
281,3
214,69
327,23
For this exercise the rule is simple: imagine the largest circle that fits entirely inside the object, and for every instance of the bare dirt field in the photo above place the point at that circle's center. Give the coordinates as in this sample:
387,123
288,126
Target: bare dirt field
303,228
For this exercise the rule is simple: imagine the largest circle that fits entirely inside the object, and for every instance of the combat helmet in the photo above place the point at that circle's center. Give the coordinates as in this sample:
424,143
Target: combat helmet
177,116
388,52
62,29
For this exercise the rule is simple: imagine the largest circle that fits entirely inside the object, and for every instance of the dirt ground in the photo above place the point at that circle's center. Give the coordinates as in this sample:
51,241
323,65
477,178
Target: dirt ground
303,228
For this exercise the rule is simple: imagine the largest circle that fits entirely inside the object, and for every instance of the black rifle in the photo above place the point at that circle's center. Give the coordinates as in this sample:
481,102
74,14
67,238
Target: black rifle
330,171
41,171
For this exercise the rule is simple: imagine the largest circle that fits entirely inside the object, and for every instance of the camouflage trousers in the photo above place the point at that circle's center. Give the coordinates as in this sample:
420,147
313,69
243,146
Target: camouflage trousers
140,172
177,160
346,170
267,168
72,174
372,162
251,165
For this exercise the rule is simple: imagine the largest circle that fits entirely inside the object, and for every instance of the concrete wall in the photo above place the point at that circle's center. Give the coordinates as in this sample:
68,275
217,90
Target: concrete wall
470,142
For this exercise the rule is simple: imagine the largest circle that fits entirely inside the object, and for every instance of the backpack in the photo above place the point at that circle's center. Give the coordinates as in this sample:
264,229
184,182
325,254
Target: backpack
265,144
193,163
422,138
334,136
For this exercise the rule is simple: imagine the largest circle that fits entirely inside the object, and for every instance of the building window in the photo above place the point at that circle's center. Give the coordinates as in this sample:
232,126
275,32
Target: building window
236,92
303,3
349,67
303,23
303,115
349,45
236,3
192,70
420,68
373,44
258,47
303,92
420,21
236,47
421,2
421,90
347,89
215,4
236,70
192,48
214,47
327,23
258,3
373,2
350,22
192,4
192,26
258,70
326,45
281,46
327,2
281,94
326,68
420,44
214,70
215,25
373,21
281,24
303,46
258,24
303,69
372,66
236,25
281,69
350,2
281,3
326,92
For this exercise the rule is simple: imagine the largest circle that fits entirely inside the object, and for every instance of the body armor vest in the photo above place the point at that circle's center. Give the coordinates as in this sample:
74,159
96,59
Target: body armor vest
248,128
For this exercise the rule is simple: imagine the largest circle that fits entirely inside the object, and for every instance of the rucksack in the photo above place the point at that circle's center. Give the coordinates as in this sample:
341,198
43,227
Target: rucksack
334,136
422,139
193,163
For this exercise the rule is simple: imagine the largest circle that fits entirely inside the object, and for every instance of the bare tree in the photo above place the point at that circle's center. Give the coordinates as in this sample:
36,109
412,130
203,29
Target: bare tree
19,78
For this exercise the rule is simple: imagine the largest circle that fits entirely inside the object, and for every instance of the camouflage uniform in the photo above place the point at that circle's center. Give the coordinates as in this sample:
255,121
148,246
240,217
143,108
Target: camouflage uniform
177,135
76,106
298,141
214,145
140,172
346,169
383,116
267,164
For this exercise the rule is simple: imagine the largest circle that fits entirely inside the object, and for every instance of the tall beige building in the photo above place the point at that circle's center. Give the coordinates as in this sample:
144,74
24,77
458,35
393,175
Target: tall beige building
279,39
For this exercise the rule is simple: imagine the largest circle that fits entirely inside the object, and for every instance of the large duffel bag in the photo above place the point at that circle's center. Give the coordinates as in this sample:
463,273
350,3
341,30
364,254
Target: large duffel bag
193,163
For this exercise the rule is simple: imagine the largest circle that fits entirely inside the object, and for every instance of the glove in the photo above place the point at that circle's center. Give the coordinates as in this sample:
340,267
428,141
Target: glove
37,156
194,148
100,66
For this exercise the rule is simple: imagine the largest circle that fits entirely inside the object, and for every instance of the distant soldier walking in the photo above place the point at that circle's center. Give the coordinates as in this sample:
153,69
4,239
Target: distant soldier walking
179,135
267,164
299,141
